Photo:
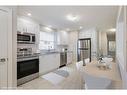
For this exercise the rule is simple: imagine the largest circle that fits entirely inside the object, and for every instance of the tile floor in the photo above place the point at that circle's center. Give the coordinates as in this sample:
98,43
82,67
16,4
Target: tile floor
56,81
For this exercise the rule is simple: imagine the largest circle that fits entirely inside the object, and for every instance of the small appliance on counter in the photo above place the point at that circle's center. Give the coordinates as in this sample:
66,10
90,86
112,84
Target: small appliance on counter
27,65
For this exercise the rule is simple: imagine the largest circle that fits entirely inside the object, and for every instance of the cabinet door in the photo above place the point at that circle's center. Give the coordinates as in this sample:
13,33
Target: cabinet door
29,28
20,25
48,63
62,38
32,28
24,25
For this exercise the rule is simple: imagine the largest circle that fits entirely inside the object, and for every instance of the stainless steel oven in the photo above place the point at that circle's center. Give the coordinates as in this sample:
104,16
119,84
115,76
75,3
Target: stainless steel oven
27,69
25,38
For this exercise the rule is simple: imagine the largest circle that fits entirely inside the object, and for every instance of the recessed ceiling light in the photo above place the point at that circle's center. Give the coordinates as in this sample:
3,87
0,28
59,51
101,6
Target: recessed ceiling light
48,29
72,17
50,26
67,29
29,14
80,27
112,30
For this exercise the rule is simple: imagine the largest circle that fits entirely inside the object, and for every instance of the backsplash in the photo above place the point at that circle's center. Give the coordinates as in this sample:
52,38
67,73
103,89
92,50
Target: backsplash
33,46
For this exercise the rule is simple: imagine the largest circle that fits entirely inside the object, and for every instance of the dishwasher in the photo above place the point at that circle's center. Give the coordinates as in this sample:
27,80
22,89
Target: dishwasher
63,59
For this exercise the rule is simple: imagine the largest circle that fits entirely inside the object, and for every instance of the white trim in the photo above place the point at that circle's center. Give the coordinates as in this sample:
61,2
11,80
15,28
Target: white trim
10,73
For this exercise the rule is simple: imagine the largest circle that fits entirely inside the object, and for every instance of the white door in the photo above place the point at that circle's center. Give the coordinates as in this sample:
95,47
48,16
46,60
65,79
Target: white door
3,47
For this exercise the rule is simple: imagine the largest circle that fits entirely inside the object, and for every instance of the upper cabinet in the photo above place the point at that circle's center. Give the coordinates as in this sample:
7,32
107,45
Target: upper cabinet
24,25
62,38
28,25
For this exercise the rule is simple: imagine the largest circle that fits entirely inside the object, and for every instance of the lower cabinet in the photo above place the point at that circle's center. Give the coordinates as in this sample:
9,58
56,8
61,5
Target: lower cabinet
48,62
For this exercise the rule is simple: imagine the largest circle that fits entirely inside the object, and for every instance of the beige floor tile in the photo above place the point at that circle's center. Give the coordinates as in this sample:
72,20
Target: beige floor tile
73,81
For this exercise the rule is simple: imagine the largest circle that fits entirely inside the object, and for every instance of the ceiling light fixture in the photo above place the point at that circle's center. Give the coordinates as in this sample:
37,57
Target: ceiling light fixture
72,17
112,30
80,27
48,29
29,14
67,29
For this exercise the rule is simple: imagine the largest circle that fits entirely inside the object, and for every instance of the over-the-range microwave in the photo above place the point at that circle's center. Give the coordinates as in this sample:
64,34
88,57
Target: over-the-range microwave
25,38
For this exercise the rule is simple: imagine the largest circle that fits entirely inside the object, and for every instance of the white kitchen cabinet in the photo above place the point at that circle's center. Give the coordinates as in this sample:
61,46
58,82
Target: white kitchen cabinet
20,25
62,38
69,57
48,62
26,25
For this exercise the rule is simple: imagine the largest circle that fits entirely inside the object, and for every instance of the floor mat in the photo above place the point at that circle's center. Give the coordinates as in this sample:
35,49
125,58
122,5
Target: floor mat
62,73
53,78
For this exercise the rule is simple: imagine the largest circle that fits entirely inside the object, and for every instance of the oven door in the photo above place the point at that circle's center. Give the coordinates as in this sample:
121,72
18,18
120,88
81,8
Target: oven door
27,67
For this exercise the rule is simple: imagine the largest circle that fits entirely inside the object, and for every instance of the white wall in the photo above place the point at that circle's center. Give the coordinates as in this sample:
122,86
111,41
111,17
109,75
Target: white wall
121,45
14,47
103,42
93,34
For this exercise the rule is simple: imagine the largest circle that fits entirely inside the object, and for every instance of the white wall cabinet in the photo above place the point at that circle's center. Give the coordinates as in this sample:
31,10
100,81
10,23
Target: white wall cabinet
24,25
49,62
62,38
27,25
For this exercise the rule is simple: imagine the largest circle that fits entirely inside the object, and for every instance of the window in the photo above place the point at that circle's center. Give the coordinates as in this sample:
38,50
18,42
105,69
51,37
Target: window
46,41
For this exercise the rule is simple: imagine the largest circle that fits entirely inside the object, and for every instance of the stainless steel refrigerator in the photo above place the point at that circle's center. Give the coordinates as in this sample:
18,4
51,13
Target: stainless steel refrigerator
84,48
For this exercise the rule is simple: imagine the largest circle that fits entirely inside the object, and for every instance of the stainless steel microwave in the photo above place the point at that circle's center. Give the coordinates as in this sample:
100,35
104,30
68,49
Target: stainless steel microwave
26,38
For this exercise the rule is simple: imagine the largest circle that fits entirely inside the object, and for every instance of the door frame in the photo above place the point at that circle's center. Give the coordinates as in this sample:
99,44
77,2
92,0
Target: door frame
9,47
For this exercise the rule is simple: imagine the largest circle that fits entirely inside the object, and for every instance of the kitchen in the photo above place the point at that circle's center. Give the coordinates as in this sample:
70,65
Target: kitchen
35,45
53,42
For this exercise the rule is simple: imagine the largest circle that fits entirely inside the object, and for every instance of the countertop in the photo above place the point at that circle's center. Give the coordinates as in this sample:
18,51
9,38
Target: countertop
52,52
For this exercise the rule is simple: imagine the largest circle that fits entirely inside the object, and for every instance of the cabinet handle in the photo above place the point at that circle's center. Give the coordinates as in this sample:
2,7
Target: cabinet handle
2,60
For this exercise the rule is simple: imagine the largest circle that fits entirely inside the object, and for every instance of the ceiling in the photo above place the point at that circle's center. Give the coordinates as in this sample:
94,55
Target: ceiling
102,17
